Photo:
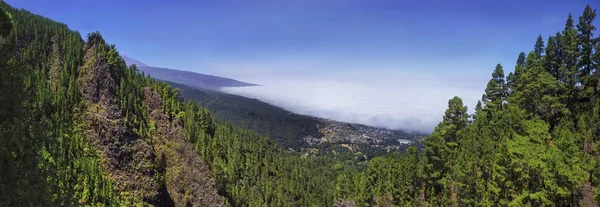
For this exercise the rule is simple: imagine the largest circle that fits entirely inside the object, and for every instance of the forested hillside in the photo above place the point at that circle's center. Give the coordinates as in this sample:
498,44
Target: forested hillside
533,140
291,130
255,115
80,128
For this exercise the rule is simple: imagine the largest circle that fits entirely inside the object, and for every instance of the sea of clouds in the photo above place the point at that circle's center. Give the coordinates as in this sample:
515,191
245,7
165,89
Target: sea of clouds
393,101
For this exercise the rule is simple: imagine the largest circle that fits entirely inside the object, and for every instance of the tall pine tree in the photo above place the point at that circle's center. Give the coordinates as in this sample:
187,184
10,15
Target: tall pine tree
496,90
538,48
586,43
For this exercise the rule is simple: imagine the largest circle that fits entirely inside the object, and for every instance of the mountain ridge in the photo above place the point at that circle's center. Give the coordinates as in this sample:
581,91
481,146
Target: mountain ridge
130,61
194,79
292,131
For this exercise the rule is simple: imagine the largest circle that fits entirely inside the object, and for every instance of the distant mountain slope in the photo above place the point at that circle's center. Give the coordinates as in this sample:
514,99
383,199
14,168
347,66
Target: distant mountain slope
265,119
289,129
195,80
292,131
131,61
192,79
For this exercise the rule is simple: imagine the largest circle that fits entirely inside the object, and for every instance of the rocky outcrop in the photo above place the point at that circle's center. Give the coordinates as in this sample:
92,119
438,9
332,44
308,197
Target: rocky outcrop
56,64
128,158
98,79
187,177
344,203
158,168
587,195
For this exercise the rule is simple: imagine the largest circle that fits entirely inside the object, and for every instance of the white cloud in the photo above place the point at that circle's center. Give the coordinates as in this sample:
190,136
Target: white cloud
394,101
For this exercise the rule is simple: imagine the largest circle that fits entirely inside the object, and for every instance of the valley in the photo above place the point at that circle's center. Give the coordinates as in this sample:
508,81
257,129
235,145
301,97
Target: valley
294,131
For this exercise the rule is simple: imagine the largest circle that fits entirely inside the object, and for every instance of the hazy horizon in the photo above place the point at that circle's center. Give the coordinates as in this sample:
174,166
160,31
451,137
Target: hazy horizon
383,63
414,104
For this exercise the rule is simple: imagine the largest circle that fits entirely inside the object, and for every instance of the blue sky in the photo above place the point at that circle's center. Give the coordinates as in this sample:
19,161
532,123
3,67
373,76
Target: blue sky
335,35
334,41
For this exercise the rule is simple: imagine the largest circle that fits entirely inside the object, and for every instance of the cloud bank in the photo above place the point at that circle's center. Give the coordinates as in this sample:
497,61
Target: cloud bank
392,101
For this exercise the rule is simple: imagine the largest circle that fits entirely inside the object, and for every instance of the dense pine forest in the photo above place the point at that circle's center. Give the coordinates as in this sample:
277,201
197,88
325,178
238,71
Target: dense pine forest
80,128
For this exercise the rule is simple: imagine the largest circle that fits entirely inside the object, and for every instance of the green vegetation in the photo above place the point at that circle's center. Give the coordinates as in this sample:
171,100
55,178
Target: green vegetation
44,157
74,128
533,140
286,129
291,131
79,127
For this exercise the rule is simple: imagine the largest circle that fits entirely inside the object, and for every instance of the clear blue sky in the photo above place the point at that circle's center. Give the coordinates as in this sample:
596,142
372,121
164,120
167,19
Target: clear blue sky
328,35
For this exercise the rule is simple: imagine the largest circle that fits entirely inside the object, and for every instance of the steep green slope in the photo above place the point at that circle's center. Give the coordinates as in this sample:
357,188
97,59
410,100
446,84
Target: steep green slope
38,134
291,130
81,128
76,131
263,118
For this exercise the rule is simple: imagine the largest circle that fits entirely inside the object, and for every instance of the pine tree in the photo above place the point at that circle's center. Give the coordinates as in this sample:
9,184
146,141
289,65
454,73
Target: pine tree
586,43
521,59
496,90
552,60
538,48
596,62
512,78
441,148
478,108
570,54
